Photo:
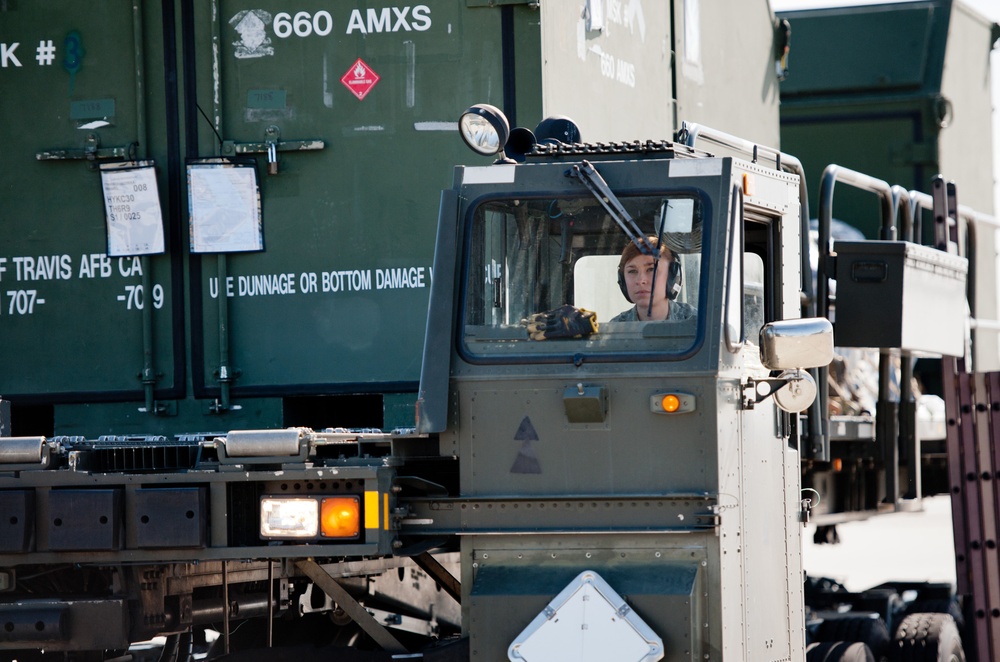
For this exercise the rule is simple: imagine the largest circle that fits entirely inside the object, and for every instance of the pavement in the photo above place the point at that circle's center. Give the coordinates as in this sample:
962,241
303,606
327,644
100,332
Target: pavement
904,546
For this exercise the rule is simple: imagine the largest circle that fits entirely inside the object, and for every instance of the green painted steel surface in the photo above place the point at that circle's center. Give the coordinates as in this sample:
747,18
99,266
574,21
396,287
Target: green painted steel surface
337,298
69,313
361,107
347,116
898,91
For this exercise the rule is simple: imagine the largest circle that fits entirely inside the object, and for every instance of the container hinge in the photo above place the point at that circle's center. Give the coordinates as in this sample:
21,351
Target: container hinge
160,408
226,376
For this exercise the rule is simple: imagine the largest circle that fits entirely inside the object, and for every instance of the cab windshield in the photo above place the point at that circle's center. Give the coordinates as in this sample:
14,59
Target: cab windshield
531,256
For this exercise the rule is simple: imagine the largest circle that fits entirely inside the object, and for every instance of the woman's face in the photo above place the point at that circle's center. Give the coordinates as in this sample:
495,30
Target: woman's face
639,279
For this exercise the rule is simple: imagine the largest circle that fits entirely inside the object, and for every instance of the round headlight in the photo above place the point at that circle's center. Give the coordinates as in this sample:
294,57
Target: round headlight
484,129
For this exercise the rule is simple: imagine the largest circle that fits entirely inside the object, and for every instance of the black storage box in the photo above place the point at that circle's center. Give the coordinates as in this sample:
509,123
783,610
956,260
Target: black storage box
900,294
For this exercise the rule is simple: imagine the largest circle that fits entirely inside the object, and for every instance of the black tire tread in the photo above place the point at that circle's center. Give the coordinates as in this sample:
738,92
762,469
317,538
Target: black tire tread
839,651
938,606
870,631
927,637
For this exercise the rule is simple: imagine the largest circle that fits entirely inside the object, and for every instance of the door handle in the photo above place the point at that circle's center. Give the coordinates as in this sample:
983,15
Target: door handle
91,151
271,145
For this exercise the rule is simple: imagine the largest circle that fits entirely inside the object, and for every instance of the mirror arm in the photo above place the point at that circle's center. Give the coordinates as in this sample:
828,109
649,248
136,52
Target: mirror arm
752,395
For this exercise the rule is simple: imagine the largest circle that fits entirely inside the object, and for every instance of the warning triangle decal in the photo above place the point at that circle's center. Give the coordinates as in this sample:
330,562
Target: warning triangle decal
526,461
526,431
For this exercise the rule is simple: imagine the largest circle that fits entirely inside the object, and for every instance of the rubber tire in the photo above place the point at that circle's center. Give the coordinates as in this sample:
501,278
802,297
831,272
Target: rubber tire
948,606
928,637
839,651
870,631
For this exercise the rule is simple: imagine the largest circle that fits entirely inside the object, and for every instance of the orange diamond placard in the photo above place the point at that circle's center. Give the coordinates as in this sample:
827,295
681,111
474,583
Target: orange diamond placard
360,79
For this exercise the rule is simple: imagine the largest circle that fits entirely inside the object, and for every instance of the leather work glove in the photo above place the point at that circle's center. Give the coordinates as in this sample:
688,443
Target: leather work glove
562,322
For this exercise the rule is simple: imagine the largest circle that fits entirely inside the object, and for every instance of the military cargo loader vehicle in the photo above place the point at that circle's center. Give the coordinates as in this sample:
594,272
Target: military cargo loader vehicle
234,469
573,489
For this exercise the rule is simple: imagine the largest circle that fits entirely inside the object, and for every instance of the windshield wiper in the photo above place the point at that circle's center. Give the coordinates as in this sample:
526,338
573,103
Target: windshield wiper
592,179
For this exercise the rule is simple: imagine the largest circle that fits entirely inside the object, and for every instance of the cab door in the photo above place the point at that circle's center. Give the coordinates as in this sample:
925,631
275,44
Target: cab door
768,456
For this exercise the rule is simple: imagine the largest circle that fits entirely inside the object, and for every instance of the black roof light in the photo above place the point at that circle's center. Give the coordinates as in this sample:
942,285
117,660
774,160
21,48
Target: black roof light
557,129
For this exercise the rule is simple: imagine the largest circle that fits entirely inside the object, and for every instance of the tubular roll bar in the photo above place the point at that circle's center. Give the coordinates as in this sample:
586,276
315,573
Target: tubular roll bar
831,175
691,132
818,434
887,413
974,221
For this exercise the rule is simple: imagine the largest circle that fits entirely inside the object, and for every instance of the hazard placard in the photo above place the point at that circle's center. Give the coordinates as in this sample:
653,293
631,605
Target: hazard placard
360,79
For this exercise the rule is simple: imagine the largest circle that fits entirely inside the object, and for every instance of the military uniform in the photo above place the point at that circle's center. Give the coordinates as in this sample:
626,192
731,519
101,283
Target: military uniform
678,311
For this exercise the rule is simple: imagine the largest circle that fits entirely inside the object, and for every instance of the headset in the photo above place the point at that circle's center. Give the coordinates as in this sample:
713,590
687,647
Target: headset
675,278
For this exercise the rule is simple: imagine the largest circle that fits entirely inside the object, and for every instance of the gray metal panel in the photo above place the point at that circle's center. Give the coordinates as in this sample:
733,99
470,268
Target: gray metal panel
769,544
84,520
432,399
524,444
17,520
965,85
725,74
173,517
662,579
613,79
85,624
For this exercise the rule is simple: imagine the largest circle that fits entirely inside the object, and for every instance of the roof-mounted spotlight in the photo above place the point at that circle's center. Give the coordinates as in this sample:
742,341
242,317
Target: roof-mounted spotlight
557,129
520,142
484,129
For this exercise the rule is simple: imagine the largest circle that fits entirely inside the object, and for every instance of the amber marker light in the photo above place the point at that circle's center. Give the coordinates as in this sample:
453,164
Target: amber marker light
670,403
675,402
340,517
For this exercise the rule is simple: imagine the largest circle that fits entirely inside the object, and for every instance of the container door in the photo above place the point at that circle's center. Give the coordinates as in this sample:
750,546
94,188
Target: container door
85,312
342,119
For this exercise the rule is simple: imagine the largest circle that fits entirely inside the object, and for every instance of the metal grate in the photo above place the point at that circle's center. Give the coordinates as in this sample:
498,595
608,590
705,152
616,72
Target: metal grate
634,147
137,454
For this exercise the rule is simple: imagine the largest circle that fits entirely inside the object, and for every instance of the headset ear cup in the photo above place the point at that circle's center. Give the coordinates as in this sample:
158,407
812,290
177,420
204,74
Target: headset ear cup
624,288
675,277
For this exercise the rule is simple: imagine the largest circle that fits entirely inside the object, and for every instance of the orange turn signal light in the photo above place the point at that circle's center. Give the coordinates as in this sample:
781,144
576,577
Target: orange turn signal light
670,403
340,517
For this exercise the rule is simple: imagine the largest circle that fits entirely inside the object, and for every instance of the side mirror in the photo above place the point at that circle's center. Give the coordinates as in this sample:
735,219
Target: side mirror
799,343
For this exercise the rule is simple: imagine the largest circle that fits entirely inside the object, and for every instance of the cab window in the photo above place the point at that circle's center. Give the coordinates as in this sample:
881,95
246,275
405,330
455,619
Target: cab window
529,256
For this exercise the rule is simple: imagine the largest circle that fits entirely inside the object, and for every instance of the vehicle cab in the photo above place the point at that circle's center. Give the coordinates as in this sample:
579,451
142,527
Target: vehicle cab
659,432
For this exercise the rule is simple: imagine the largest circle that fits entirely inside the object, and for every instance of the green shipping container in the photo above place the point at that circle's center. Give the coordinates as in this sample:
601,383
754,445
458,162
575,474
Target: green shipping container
220,215
898,91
